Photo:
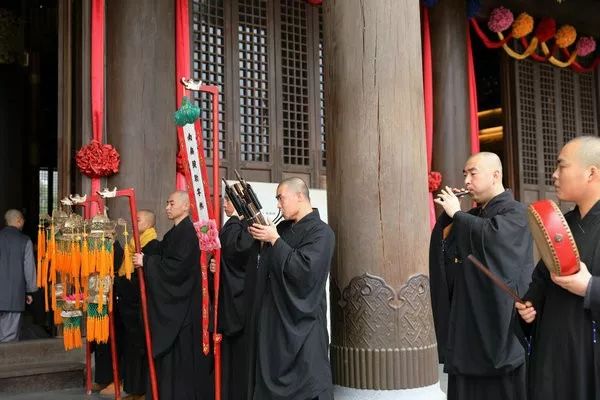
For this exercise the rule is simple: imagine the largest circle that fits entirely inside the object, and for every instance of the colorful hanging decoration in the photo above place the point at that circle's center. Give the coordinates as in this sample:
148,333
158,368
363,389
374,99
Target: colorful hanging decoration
547,39
127,265
72,329
75,263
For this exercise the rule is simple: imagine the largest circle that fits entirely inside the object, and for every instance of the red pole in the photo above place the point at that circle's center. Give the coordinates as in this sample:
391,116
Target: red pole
143,298
130,194
217,216
113,353
88,345
88,367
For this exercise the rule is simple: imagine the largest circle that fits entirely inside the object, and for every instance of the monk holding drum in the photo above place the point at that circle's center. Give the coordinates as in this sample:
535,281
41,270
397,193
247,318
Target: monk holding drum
563,300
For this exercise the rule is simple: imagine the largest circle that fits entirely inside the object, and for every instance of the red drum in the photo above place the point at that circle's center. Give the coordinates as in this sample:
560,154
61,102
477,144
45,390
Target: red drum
553,238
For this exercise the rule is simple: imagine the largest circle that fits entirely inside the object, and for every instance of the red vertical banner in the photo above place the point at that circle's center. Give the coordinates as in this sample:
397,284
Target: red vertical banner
473,110
182,67
97,82
428,99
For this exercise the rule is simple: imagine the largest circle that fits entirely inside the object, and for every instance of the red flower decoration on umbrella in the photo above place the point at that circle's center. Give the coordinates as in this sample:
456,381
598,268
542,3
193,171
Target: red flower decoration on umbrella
96,160
435,180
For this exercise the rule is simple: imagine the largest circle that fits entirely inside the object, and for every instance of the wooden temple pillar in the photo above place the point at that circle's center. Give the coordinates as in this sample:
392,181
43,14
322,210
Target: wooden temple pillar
451,139
140,102
382,327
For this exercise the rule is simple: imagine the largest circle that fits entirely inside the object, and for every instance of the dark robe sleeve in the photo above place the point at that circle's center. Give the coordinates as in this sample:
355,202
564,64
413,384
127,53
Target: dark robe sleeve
536,294
172,279
237,247
117,256
503,243
236,241
594,297
440,297
301,270
500,242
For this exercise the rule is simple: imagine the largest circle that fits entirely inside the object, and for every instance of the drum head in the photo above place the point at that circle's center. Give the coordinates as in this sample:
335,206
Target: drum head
553,238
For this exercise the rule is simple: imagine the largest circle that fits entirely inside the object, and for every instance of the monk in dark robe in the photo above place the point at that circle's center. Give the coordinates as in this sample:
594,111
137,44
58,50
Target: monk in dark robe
563,312
475,322
291,341
134,364
175,308
239,252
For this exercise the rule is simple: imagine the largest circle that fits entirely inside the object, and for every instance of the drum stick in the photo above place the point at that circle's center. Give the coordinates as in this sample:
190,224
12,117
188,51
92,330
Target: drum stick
497,281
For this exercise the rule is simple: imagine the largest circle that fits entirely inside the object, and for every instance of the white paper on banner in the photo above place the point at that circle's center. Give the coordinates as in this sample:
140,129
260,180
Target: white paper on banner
189,131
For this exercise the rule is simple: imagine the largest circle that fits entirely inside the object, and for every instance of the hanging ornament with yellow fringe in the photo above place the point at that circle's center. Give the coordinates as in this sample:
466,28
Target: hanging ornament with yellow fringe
127,265
97,308
72,328
97,323
41,251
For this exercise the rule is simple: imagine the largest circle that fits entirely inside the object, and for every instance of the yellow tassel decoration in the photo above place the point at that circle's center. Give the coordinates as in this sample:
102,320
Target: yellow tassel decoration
41,240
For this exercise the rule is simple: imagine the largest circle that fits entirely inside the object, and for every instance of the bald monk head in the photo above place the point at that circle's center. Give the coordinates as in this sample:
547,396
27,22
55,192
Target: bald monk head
178,206
483,177
577,174
146,220
293,199
14,218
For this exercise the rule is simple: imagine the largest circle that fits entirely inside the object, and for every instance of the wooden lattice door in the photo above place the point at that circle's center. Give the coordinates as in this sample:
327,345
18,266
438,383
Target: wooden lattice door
548,107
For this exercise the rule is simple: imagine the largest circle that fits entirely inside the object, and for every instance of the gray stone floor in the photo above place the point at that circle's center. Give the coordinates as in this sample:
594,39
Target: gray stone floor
78,394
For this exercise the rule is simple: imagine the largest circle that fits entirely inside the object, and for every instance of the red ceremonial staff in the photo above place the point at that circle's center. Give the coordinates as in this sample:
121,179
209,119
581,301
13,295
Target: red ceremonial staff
130,194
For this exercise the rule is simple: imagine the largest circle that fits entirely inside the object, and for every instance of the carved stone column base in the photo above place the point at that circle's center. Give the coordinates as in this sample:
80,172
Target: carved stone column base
386,369
432,392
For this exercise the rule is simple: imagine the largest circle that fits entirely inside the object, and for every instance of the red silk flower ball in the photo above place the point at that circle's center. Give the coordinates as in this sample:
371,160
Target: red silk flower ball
435,180
96,160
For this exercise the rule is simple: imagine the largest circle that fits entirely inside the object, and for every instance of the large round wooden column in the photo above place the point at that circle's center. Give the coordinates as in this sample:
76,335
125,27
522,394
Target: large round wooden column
382,328
451,139
140,101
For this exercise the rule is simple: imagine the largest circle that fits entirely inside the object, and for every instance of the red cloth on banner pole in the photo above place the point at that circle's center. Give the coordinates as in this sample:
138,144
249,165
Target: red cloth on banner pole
473,117
182,67
97,82
428,97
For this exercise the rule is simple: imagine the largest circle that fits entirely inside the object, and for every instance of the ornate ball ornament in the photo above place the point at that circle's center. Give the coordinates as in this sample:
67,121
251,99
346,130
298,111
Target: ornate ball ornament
500,19
522,26
546,29
565,36
586,45
96,160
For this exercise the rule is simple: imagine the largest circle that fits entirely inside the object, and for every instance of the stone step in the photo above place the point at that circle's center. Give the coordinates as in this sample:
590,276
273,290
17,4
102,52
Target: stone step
39,350
38,365
41,376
